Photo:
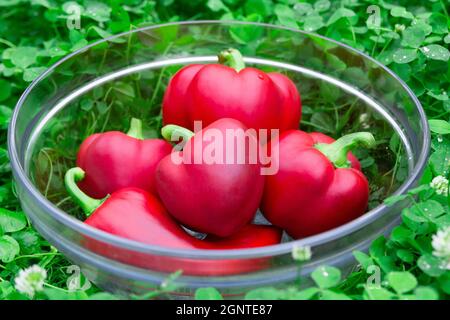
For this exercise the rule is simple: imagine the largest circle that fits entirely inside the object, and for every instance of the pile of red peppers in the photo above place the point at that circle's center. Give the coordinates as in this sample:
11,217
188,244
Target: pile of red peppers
132,187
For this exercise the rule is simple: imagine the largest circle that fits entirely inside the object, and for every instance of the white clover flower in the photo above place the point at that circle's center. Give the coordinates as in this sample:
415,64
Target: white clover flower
440,185
301,253
30,280
441,245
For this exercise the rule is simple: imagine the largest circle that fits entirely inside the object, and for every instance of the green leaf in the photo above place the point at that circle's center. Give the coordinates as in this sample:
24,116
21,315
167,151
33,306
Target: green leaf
430,209
216,5
339,65
56,294
286,16
438,22
447,38
323,122
413,37
329,92
6,288
4,3
403,70
377,293
426,293
103,296
440,160
9,248
339,14
303,8
431,265
305,294
363,259
405,255
439,96
86,104
422,24
326,277
29,241
11,221
402,235
331,295
322,5
263,294
5,89
401,12
313,23
404,55
444,282
414,215
401,282
389,201
378,247
356,76
97,11
24,57
208,294
32,73
247,34
101,106
105,34
418,189
125,89
262,7
436,52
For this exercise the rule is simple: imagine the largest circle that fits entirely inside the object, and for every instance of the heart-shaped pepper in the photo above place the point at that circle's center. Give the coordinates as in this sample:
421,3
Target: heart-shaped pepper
209,92
215,196
319,185
113,160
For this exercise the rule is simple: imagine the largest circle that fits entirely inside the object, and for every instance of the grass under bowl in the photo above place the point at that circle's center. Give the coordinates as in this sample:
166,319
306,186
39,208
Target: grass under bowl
100,87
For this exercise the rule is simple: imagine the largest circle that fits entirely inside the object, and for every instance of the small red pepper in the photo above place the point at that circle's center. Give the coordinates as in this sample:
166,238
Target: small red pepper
114,160
319,185
136,214
213,198
209,92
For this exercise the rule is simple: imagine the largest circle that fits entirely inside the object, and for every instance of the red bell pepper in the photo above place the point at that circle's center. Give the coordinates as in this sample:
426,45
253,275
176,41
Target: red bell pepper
114,160
213,198
319,185
209,92
135,214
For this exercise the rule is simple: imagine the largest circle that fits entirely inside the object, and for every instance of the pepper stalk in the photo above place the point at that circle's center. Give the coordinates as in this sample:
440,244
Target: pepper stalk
173,133
135,130
337,151
87,204
233,58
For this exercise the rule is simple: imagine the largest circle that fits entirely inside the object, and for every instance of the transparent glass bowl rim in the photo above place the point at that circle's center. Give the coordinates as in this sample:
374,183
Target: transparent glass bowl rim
279,249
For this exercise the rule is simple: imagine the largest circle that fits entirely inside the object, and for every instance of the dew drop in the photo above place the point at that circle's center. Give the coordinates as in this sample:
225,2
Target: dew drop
260,76
425,265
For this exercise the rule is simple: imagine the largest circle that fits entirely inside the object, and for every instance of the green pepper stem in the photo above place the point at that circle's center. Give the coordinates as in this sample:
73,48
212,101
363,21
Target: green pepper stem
135,130
337,151
87,204
232,58
173,133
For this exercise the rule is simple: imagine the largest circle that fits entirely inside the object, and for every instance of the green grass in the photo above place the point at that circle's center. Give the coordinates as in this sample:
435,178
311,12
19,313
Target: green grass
410,37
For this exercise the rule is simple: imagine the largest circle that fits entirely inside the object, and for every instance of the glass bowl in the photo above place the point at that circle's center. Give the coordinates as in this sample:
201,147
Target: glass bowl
101,86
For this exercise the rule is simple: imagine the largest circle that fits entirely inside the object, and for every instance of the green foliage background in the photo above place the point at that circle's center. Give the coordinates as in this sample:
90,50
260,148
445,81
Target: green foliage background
412,38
